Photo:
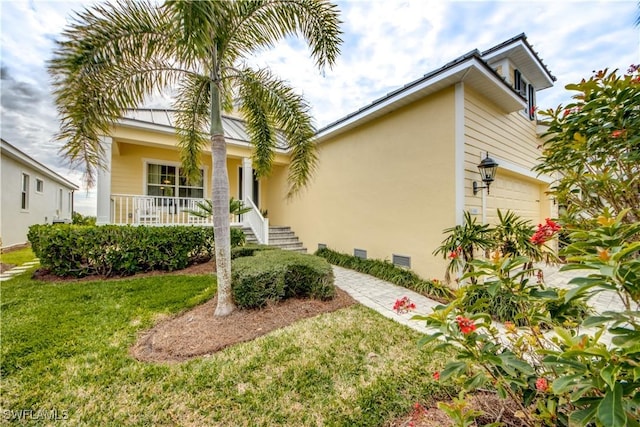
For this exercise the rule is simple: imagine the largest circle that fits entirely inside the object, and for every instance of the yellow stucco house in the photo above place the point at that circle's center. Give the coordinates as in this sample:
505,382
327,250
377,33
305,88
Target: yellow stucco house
391,175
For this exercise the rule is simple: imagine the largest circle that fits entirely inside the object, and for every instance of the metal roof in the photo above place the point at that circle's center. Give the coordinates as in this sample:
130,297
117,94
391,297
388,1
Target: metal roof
234,128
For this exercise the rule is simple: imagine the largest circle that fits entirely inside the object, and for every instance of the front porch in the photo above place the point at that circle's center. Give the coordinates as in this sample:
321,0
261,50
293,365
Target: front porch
132,209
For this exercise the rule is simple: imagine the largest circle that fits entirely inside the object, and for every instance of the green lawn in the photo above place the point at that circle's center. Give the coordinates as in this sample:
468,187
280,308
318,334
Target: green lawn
64,348
17,257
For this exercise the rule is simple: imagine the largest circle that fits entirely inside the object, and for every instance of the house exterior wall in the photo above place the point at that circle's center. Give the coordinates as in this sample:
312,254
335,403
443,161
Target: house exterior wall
386,187
132,149
512,141
43,207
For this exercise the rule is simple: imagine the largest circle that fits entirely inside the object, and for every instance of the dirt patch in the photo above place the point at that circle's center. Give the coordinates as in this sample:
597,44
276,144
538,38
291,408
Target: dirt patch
198,333
493,408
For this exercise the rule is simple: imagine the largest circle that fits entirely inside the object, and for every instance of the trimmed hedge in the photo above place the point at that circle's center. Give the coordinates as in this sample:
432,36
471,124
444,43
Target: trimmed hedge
112,250
385,270
274,275
249,250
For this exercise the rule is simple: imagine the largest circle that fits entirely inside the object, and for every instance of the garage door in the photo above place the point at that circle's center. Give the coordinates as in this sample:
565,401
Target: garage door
520,195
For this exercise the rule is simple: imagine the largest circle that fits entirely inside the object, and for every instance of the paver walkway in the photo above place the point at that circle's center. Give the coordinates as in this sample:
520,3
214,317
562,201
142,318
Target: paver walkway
380,295
4,276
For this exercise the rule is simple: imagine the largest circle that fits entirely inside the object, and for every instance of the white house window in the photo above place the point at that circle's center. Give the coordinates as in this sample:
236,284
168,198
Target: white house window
24,196
60,201
39,185
168,181
527,91
70,202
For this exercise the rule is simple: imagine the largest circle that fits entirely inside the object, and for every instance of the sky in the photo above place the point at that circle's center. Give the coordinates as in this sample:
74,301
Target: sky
387,43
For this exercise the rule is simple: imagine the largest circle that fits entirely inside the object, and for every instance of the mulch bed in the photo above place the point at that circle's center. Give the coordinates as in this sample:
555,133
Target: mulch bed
198,332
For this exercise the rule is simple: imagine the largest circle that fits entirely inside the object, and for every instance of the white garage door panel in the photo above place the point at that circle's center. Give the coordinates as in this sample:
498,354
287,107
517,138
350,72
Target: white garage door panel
518,195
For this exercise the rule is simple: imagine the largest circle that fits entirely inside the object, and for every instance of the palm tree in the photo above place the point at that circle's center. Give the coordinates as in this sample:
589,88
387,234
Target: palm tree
112,56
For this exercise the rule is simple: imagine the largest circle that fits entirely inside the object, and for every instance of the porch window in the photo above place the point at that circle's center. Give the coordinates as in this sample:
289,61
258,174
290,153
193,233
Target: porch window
168,181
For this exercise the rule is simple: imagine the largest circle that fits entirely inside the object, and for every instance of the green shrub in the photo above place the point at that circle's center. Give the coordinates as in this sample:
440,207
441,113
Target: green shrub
249,250
256,281
110,250
274,275
387,271
505,305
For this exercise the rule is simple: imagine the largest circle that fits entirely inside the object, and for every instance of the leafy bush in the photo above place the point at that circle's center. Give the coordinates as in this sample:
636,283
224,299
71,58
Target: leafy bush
511,236
568,376
79,219
249,250
508,301
274,275
591,147
387,271
110,250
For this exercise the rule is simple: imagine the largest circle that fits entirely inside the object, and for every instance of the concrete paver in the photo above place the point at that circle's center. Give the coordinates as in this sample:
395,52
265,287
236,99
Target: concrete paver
380,295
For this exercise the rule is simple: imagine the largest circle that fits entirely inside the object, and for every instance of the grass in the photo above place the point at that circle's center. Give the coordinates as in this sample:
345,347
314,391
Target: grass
65,348
17,257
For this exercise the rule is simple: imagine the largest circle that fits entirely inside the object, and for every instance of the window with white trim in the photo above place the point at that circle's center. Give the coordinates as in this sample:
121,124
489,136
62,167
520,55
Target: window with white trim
527,91
24,195
60,201
168,181
39,185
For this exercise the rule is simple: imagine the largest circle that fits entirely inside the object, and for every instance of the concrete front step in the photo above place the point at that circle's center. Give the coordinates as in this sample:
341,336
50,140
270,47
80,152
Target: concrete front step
280,236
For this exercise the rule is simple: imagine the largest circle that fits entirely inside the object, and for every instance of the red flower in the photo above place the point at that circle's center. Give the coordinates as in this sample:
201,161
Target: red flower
466,325
545,232
436,376
542,384
554,226
404,305
618,133
453,255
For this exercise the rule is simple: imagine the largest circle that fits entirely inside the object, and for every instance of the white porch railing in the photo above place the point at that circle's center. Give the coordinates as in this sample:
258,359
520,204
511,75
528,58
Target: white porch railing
258,223
129,209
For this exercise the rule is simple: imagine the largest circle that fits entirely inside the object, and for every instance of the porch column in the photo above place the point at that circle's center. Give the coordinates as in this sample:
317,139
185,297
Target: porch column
103,184
247,180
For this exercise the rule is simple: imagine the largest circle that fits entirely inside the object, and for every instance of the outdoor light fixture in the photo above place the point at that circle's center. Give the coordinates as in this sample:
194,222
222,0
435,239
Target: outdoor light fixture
487,168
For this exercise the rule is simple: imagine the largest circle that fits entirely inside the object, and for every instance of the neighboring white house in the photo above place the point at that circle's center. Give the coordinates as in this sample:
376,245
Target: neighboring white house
31,194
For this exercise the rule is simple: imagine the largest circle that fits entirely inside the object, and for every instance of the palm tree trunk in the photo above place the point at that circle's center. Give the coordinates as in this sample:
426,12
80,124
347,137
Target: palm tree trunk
220,199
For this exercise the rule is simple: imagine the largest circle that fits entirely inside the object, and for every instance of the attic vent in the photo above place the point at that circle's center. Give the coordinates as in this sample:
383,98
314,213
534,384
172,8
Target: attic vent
402,261
322,246
360,253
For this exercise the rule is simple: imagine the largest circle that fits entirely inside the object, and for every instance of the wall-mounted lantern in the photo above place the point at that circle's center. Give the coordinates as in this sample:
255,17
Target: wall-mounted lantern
487,168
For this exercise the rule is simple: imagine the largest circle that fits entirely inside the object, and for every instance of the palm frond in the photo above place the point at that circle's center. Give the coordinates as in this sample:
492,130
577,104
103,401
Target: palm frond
192,116
261,23
268,104
108,60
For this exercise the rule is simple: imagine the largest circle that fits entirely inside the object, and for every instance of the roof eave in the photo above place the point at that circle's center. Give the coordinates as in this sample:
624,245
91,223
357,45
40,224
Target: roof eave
543,78
472,70
14,153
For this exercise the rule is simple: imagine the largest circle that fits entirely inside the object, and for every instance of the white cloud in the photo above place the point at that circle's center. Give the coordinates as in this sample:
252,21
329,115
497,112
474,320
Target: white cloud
386,45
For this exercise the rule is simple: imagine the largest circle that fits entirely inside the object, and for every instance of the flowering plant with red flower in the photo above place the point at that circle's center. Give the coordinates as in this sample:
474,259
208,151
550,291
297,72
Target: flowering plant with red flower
542,384
545,232
404,305
620,133
465,324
